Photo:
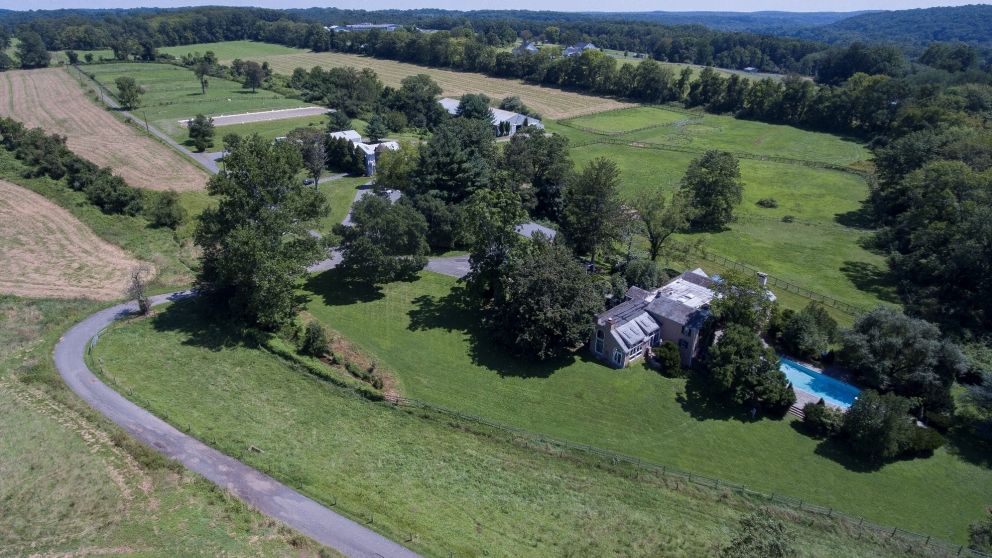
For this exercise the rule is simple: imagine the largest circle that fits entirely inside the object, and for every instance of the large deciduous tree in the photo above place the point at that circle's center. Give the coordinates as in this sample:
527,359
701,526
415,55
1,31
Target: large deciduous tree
889,351
475,105
713,186
311,144
491,217
201,132
542,161
396,169
747,372
257,243
128,92
255,74
593,213
31,51
384,242
545,301
661,218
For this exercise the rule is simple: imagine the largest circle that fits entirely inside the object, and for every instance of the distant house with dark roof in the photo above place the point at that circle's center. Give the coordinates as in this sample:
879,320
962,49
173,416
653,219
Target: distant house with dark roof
526,47
673,313
578,48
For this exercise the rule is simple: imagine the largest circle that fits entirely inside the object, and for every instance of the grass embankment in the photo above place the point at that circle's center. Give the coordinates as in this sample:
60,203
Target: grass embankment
73,484
451,489
437,349
821,249
173,93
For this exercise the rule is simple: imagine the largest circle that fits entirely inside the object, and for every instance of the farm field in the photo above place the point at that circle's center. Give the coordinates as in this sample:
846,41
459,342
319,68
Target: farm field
173,94
86,489
423,333
52,99
549,102
229,50
441,489
171,253
48,253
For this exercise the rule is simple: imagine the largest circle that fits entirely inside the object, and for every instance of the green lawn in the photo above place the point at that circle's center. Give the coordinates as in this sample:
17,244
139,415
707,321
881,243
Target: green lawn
270,129
438,489
436,348
173,94
229,50
816,251
701,131
340,193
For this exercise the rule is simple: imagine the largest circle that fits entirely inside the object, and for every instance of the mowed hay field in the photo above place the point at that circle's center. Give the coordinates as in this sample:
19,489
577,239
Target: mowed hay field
51,99
549,102
48,253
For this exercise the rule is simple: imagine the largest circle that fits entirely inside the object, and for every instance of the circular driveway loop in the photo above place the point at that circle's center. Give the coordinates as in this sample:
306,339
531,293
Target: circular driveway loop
260,491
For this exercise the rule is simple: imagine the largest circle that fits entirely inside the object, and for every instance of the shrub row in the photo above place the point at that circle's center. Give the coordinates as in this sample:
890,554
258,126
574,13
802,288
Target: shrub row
48,155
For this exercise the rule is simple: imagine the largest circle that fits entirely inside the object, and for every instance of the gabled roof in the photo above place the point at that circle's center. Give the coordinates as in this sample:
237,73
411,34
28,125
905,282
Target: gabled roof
350,135
529,229
671,309
623,312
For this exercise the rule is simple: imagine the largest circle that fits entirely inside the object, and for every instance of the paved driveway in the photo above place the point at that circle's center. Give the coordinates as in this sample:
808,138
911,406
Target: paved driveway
261,491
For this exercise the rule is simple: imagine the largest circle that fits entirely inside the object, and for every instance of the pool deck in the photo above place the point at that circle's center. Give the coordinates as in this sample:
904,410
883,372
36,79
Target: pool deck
804,397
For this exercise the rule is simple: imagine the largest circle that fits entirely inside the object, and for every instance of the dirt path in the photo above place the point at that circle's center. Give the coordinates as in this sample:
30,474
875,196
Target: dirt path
47,253
53,100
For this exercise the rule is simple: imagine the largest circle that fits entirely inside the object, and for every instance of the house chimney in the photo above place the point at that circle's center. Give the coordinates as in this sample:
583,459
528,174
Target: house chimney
611,322
763,279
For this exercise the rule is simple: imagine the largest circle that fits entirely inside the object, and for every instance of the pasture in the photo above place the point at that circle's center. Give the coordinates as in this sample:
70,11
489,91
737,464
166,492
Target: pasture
439,489
812,238
99,55
549,102
270,129
173,93
53,100
48,253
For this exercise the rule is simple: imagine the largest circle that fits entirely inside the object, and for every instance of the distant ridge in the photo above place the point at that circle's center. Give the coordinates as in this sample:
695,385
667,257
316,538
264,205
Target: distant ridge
910,28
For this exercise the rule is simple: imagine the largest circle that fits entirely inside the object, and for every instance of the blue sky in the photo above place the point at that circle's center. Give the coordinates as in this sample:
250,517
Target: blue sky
565,5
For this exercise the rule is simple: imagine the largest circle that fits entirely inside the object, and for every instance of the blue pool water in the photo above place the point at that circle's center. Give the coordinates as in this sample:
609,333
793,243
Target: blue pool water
832,391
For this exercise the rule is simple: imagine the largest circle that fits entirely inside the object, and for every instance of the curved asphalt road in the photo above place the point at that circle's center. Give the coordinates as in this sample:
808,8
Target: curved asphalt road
256,489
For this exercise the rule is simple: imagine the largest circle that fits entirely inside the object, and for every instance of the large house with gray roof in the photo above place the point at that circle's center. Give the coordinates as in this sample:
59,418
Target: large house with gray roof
675,312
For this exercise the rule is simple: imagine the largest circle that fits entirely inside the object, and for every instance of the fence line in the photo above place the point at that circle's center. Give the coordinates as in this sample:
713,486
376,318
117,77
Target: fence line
916,541
788,286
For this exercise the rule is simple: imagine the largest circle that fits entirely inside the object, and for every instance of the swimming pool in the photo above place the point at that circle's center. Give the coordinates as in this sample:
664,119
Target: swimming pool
806,379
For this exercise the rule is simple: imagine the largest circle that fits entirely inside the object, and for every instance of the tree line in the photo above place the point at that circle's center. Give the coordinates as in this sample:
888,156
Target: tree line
48,155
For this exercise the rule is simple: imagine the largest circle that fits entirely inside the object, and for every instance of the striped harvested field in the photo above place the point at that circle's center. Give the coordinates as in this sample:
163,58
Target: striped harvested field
53,100
550,102
48,253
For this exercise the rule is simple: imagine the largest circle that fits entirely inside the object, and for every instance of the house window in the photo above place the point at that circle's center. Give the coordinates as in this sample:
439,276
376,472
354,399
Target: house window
618,357
656,338
600,337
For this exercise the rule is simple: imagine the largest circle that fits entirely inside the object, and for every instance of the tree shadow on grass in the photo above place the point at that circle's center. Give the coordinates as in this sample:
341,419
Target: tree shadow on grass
970,448
701,404
336,288
860,218
456,312
202,325
836,451
871,279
